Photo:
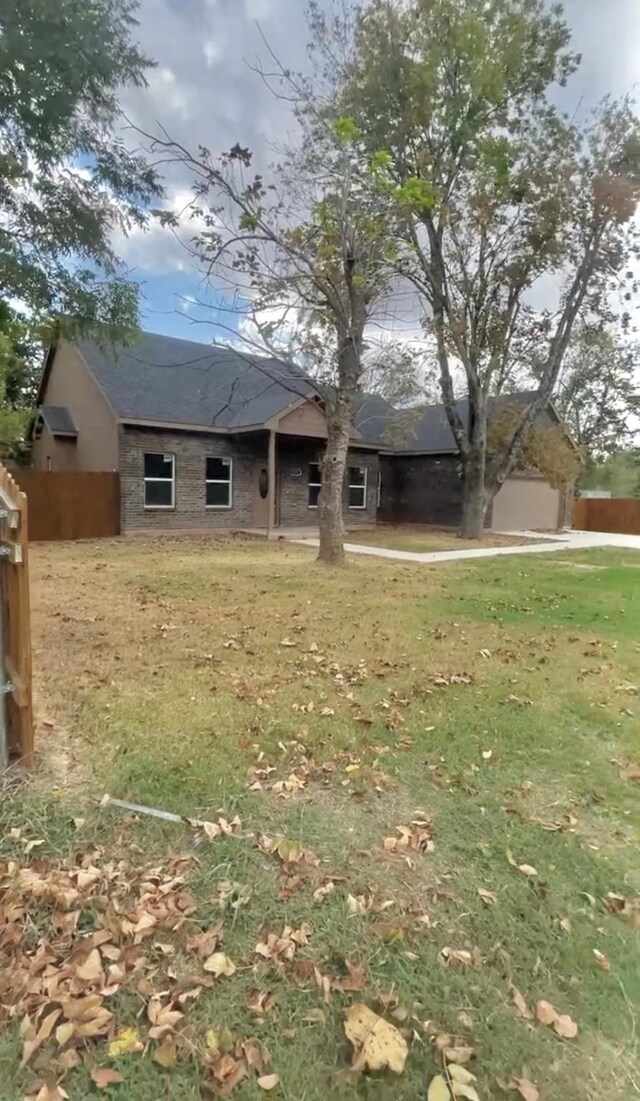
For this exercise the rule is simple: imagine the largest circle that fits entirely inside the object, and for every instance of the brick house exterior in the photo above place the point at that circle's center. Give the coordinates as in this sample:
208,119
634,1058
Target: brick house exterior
249,458
166,424
205,438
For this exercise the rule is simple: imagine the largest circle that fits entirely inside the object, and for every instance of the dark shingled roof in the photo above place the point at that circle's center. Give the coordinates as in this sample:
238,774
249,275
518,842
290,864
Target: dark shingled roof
160,378
58,420
163,379
431,432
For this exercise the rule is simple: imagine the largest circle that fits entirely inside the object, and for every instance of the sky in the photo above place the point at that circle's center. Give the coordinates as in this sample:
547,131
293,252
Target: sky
203,91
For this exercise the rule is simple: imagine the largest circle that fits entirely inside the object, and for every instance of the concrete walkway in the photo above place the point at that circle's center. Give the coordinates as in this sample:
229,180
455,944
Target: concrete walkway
549,544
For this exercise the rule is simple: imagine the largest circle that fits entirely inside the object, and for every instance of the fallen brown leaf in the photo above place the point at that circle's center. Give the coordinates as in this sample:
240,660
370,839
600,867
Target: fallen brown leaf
127,1041
546,1014
268,1081
376,1043
104,1077
527,1089
565,1027
219,964
522,1009
487,897
438,1089
458,1053
463,956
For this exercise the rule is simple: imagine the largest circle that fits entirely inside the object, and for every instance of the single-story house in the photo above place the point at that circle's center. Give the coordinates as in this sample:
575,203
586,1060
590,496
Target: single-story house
212,437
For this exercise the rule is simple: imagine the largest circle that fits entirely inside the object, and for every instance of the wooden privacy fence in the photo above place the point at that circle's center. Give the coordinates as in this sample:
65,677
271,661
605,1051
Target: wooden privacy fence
71,505
617,514
16,709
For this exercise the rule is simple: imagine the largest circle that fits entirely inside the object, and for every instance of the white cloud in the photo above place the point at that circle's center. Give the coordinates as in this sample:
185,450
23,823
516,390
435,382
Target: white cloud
171,97
156,249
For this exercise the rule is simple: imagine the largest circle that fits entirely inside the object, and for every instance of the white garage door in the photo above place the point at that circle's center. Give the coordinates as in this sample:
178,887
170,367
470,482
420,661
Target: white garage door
526,504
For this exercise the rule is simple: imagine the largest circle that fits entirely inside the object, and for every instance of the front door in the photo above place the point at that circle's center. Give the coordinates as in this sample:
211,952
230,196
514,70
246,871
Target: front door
260,495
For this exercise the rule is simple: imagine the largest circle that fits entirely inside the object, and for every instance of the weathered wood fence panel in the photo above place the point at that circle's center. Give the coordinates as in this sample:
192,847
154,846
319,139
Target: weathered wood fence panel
16,679
616,514
71,505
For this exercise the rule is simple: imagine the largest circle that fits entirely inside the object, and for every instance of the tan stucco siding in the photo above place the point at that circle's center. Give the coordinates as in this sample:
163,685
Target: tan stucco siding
70,383
526,504
306,420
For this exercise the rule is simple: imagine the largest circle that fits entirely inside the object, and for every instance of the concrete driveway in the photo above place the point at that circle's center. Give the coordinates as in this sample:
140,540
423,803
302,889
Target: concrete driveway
544,544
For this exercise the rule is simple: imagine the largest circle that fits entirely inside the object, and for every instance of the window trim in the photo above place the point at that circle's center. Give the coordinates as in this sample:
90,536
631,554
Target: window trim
313,485
364,486
219,481
172,480
379,488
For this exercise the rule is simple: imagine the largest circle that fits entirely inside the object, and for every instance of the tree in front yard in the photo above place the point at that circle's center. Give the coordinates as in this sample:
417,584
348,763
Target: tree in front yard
312,246
498,195
67,182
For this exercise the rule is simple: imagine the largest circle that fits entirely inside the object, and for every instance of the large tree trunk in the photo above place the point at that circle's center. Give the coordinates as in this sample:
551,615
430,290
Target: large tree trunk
474,497
474,487
330,501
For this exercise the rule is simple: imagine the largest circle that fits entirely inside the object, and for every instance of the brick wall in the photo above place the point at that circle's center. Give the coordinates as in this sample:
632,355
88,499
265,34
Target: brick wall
190,450
421,489
249,454
293,463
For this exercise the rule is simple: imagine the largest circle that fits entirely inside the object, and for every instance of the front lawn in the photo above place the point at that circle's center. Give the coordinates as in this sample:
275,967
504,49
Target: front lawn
435,771
420,539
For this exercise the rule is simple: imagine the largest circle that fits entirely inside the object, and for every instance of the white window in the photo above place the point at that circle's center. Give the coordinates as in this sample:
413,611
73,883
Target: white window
159,480
219,482
357,487
315,483
379,489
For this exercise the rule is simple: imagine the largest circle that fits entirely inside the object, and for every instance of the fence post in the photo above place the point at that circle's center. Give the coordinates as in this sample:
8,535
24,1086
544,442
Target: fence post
15,633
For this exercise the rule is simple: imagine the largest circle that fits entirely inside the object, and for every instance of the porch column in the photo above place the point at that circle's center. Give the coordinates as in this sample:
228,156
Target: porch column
271,469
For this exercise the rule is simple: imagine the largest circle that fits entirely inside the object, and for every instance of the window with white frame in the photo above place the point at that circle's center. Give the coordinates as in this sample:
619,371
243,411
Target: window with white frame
315,484
159,479
357,487
219,482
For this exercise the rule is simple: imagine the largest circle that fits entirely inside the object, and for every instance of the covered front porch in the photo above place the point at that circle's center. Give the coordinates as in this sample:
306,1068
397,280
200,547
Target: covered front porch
286,485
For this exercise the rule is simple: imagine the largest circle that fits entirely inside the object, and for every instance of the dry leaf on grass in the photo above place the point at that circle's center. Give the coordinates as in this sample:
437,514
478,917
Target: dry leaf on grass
438,1089
219,964
105,1077
376,1043
545,1013
127,1041
459,1053
416,836
44,1091
462,956
522,1009
566,1027
527,1089
487,897
268,1081
460,1075
527,869
603,962
461,1089
166,1054
524,869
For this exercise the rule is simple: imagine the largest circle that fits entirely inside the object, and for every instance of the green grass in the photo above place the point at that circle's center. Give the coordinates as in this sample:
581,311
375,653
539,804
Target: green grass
162,668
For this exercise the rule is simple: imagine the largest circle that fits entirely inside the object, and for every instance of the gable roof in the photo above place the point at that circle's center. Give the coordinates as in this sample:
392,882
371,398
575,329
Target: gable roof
163,379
